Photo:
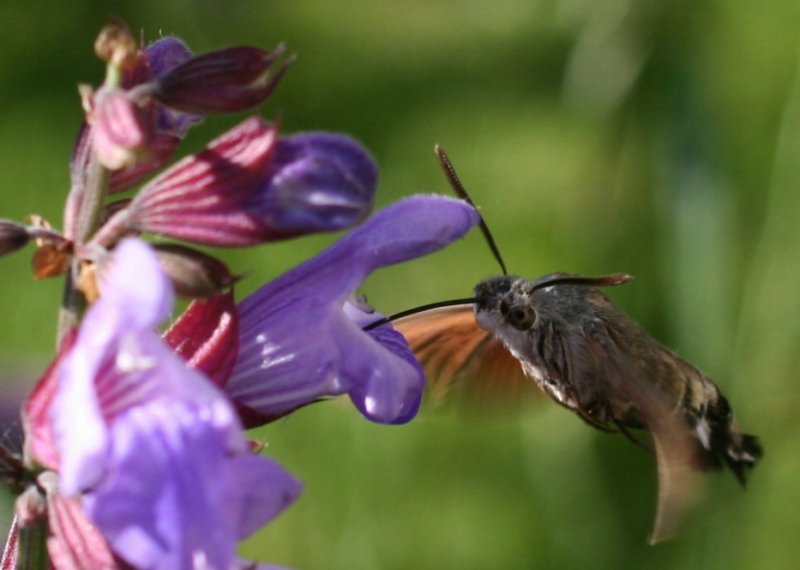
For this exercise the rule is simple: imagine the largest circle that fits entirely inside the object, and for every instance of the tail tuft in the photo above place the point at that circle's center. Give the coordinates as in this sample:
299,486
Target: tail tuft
721,443
742,454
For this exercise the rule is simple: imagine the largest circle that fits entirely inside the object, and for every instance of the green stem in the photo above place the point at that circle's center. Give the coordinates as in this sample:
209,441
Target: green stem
32,552
73,302
91,206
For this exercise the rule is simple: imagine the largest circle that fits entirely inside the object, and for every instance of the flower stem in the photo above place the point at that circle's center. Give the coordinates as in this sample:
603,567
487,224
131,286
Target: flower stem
32,553
92,200
73,302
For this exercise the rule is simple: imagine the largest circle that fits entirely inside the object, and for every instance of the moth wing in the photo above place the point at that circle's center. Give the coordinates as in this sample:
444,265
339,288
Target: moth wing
461,360
673,442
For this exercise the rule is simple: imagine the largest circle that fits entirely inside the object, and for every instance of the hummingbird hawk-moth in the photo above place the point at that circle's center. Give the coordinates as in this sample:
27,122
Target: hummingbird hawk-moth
564,334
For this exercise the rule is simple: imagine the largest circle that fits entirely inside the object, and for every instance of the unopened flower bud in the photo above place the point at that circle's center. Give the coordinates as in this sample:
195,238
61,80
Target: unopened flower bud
13,236
120,128
224,81
116,45
193,274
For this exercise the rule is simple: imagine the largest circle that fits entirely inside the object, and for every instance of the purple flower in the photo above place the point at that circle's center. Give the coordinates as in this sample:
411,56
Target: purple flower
155,449
247,187
301,337
316,181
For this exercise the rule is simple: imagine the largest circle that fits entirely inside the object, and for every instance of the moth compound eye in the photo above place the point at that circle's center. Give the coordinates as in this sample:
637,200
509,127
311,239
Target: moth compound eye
520,317
503,286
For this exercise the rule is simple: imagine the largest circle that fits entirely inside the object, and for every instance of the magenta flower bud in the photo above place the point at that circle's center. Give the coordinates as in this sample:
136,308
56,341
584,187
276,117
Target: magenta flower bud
169,126
223,81
121,130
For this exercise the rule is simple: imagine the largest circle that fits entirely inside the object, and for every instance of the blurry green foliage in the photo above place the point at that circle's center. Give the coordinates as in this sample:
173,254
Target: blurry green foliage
657,138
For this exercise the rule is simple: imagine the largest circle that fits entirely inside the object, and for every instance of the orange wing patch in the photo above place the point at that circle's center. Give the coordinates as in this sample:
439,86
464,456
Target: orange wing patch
463,361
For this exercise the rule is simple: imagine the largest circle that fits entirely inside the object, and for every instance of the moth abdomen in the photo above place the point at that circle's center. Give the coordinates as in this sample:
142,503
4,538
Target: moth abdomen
721,441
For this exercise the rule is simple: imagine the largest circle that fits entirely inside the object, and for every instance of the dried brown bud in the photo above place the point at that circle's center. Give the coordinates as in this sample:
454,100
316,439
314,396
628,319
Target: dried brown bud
51,259
193,273
88,282
116,45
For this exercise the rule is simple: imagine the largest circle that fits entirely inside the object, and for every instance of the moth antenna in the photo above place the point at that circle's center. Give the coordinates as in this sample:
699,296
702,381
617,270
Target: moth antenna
604,281
415,310
461,192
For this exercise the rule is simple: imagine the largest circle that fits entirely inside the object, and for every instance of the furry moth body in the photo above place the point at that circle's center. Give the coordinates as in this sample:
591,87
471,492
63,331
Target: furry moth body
563,334
567,337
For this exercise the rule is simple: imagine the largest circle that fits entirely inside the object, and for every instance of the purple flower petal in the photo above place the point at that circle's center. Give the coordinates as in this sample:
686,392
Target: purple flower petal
150,494
155,449
301,337
316,182
165,54
158,59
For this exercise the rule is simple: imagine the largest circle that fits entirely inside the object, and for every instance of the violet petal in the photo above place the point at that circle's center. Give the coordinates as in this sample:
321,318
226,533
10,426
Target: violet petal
165,54
300,340
209,496
155,449
316,182
158,59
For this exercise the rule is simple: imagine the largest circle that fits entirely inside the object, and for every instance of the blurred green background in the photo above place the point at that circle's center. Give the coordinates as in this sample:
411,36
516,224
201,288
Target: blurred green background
659,138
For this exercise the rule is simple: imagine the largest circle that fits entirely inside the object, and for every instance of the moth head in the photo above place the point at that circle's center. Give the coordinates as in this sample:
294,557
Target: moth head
503,301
